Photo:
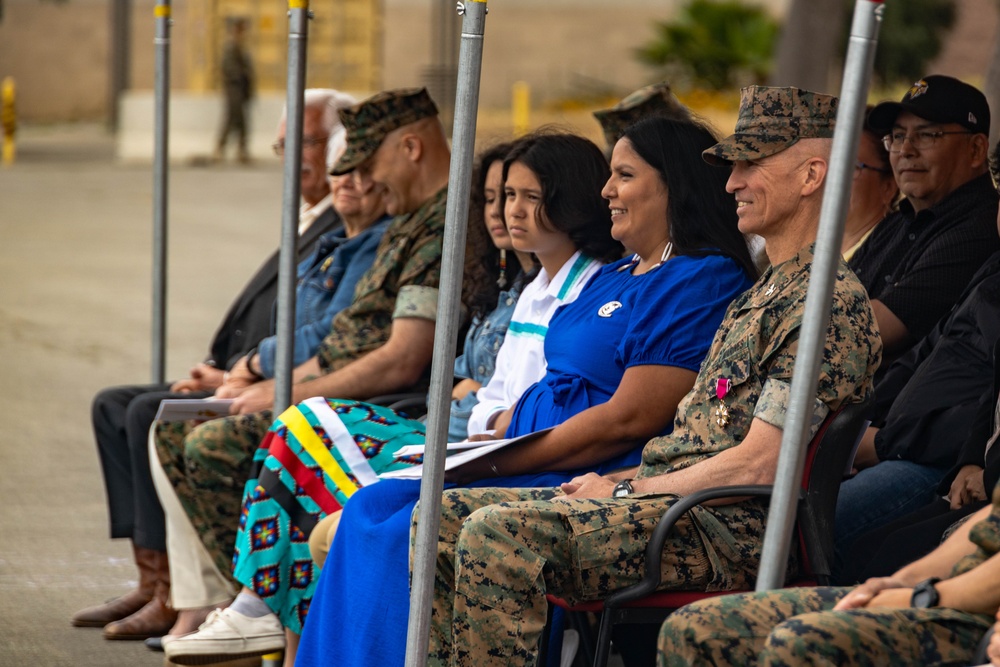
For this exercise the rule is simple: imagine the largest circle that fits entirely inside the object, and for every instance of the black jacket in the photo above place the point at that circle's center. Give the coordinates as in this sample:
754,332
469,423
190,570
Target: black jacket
249,318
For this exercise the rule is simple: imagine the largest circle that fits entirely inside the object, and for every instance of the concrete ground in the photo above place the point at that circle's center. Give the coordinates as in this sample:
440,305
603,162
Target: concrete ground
75,250
75,310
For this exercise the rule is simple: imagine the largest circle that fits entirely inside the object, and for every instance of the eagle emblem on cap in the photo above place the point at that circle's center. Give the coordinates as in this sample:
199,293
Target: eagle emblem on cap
917,89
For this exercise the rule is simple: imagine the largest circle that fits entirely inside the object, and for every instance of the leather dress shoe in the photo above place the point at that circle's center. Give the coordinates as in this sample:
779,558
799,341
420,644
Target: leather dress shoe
112,610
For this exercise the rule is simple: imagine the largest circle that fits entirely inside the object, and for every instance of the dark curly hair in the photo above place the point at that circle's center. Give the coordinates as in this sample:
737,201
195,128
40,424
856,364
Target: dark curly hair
701,215
571,171
488,256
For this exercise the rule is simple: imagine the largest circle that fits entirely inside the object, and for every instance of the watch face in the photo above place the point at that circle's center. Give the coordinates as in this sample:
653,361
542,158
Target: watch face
925,595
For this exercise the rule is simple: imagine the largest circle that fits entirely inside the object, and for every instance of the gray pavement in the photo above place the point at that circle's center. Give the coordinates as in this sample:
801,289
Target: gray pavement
75,251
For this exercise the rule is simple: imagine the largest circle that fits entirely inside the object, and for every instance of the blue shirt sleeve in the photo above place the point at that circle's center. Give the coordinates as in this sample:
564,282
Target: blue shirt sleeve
350,261
676,317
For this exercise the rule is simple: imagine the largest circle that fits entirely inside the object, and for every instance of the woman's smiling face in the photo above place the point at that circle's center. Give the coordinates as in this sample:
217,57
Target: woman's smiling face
637,197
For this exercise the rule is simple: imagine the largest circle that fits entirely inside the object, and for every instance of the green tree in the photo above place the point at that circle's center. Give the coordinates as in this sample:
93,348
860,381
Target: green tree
714,43
910,37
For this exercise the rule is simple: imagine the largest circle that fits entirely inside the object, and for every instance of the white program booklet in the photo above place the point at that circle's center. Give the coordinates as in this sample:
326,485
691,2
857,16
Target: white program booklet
183,409
458,453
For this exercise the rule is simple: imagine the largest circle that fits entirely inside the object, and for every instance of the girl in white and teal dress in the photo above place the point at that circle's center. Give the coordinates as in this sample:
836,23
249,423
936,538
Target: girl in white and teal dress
619,358
304,471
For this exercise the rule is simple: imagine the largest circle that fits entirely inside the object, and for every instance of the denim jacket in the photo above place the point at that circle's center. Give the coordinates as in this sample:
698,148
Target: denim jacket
478,358
326,286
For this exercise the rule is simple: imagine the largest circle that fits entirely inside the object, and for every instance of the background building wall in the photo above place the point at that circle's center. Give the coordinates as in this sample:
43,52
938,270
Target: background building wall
568,51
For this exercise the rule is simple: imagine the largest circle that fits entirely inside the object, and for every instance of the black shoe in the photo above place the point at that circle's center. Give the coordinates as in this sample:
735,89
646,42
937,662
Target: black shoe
154,644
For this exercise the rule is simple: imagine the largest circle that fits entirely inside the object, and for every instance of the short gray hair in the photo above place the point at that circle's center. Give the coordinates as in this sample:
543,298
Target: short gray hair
330,100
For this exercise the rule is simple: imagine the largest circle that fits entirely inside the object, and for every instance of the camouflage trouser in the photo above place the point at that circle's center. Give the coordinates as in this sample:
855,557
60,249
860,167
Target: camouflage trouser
208,464
501,550
798,627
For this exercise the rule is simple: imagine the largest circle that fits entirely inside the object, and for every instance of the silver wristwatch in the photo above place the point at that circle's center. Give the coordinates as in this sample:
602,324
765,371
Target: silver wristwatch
623,488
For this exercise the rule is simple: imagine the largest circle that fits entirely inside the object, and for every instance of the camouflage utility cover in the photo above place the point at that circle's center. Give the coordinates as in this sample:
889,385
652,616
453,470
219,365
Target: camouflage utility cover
655,100
773,119
369,122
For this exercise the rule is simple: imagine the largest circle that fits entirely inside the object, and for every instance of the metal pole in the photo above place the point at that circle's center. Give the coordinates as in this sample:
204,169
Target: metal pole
298,31
446,332
161,42
853,95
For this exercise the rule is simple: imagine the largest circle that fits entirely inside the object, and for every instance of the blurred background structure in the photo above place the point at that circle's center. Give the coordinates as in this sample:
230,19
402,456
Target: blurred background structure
92,60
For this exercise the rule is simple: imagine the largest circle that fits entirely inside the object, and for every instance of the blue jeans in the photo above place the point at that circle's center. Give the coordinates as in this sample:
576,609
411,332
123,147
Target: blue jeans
880,494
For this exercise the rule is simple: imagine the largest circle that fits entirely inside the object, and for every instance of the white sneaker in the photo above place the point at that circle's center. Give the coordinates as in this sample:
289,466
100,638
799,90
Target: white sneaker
226,635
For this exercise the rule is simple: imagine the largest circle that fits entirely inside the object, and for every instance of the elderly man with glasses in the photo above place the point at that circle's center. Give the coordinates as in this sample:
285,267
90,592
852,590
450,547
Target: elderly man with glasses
920,259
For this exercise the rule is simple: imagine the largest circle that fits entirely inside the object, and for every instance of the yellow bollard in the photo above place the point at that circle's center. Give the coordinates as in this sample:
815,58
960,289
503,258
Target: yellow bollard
521,107
8,118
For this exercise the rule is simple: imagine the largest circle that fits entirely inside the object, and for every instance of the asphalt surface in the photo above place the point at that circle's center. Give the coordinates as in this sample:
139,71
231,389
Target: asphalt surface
75,310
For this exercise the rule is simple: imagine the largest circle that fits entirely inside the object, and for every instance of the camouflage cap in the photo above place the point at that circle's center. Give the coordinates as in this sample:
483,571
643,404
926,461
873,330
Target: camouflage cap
773,119
654,100
369,122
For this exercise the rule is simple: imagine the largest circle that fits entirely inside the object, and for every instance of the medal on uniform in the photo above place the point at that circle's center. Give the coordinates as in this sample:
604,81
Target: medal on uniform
722,386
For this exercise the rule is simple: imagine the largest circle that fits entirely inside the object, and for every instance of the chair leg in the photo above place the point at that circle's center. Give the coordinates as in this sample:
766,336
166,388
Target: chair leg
580,621
604,639
543,646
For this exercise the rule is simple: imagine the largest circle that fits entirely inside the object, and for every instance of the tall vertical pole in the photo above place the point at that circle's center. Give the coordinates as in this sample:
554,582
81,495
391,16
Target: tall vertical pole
121,50
819,298
446,333
298,31
161,41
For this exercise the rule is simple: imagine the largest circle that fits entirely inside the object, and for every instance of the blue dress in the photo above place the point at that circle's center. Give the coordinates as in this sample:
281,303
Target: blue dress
667,316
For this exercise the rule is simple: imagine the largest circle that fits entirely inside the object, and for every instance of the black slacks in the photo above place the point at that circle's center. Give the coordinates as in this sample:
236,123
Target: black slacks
121,417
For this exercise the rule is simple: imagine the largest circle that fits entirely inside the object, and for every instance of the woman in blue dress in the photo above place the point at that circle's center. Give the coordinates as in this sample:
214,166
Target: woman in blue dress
286,495
620,357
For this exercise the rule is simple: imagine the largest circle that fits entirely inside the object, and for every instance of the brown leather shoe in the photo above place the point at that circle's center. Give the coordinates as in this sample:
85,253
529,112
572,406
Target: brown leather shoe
157,617
128,604
153,620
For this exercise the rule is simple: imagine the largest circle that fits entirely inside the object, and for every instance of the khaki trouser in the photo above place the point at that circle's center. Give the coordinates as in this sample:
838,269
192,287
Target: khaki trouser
195,581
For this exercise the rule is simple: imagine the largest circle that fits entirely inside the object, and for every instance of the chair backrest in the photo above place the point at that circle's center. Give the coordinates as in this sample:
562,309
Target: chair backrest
826,461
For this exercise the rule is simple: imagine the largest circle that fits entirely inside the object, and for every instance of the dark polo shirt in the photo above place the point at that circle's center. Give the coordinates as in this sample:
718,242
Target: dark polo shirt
917,264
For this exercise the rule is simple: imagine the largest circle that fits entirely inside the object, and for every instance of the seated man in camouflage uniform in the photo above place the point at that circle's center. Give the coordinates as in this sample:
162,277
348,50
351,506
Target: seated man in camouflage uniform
931,612
382,343
501,550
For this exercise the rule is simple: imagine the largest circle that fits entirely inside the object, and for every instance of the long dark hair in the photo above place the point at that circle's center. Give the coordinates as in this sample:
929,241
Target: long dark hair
488,256
572,171
701,215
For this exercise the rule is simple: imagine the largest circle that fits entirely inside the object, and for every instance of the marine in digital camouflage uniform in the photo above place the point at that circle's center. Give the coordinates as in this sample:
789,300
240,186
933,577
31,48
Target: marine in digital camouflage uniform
501,550
793,627
654,100
209,463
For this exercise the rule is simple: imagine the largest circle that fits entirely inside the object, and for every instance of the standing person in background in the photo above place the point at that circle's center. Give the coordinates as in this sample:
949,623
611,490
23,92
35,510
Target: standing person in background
237,86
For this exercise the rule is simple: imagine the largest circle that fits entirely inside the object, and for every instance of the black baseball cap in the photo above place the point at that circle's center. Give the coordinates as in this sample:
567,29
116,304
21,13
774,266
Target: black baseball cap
939,99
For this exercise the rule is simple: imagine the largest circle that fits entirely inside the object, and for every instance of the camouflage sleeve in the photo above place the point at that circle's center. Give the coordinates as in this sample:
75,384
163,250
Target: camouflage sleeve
773,403
850,357
416,301
423,266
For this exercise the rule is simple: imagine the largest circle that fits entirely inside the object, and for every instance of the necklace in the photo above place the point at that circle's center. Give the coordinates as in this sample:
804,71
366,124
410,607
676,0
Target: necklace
664,256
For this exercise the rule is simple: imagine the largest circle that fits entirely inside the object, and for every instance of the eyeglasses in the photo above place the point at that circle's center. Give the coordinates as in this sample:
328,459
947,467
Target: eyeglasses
860,166
920,139
307,142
